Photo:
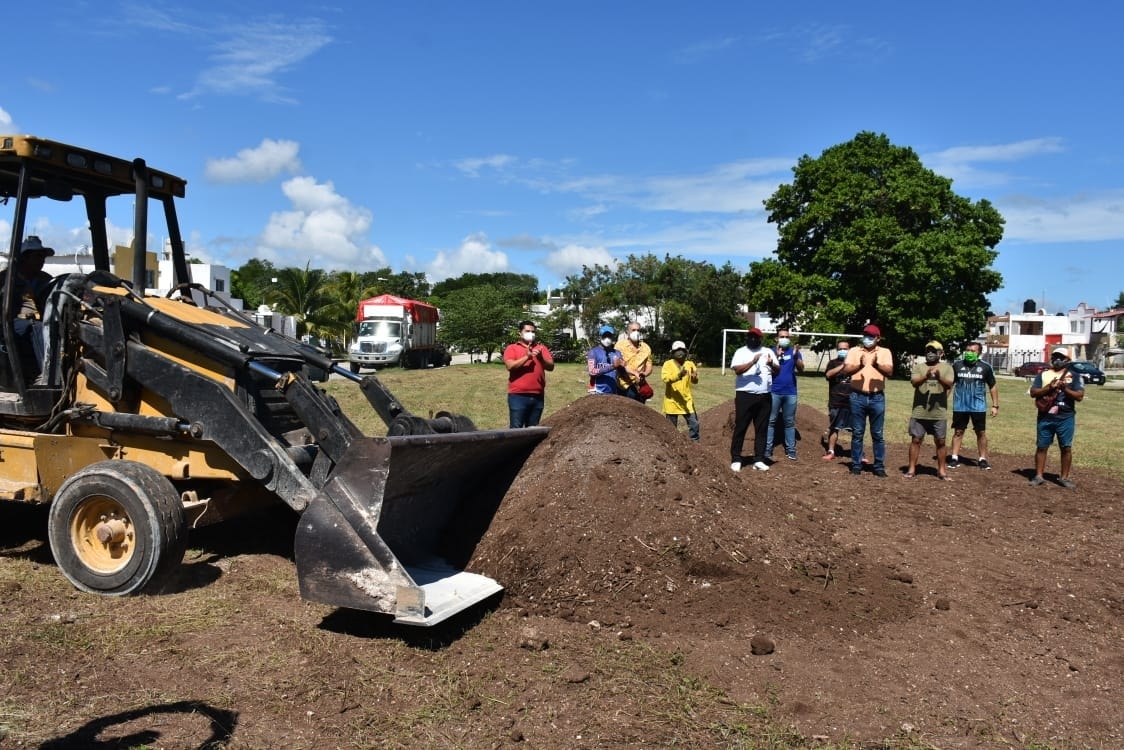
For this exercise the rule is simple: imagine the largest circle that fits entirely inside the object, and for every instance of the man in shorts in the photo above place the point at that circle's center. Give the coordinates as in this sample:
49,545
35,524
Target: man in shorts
932,380
975,381
1056,392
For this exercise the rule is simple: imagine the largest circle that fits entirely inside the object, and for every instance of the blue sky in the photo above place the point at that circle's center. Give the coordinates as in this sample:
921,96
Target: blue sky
537,137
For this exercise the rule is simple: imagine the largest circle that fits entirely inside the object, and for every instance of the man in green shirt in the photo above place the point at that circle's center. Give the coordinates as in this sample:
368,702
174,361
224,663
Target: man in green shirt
932,380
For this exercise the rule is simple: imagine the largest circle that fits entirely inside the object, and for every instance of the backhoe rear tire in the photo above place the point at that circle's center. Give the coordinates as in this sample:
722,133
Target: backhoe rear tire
117,527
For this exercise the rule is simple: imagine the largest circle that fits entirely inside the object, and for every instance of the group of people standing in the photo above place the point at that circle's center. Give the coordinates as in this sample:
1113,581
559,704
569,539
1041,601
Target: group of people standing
765,395
616,367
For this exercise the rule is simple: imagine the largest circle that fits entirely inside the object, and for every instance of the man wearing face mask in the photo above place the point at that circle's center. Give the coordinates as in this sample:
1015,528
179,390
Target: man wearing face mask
637,356
754,367
975,380
838,398
931,380
604,361
869,365
1056,392
783,393
678,375
527,360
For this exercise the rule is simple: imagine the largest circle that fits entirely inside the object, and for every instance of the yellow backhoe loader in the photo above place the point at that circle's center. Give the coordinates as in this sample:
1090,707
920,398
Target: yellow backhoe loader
137,417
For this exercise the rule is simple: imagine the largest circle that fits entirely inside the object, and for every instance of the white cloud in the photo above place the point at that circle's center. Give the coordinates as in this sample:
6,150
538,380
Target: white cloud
474,255
250,57
570,259
1081,218
323,228
269,159
473,166
5,121
959,163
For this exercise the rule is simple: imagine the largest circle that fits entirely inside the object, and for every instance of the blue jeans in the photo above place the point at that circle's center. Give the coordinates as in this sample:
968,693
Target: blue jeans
785,406
524,409
692,423
863,406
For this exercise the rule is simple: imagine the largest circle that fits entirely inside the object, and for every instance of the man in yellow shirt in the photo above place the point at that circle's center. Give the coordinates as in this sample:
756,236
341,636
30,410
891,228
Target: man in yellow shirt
679,374
637,358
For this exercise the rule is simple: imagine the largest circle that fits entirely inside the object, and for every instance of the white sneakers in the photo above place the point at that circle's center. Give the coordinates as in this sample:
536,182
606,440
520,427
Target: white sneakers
736,466
757,466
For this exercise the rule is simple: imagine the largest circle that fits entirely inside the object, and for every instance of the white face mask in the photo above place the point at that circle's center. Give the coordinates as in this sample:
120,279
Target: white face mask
841,353
868,341
634,336
607,342
783,342
528,336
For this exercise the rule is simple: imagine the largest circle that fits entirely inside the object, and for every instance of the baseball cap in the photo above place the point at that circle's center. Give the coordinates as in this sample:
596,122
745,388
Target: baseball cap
934,344
606,330
755,331
872,330
33,244
677,345
1061,351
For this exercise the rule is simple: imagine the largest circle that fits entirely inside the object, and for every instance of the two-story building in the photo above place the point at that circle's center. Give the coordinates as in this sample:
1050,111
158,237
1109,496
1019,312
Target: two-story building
1015,338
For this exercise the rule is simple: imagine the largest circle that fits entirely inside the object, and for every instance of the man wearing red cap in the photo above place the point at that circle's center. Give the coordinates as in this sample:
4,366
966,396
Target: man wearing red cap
869,365
754,367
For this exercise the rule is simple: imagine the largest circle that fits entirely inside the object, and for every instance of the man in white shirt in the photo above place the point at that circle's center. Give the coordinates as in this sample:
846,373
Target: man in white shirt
754,367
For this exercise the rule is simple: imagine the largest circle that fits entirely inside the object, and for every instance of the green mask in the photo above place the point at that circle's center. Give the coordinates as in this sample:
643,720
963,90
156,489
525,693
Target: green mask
970,357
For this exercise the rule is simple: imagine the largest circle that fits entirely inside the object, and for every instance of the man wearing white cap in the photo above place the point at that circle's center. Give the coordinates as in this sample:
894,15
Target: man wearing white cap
1056,392
679,374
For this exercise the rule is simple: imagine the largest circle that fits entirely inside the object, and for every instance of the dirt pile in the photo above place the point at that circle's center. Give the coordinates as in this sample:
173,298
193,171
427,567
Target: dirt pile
972,613
620,519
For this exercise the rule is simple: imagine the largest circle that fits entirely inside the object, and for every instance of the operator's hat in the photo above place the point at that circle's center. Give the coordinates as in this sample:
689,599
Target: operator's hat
755,331
603,330
677,345
935,345
35,245
872,330
1061,351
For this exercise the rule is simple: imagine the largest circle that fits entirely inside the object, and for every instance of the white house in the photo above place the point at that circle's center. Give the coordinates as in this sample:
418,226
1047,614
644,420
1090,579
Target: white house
1015,338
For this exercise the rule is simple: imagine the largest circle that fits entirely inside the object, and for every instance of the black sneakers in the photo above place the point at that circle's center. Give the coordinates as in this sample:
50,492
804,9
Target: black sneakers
983,464
953,462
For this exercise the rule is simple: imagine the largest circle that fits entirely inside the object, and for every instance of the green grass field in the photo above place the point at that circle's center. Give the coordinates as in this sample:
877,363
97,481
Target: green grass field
479,391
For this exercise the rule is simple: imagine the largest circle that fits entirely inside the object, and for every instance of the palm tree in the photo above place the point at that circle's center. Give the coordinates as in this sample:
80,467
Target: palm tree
304,295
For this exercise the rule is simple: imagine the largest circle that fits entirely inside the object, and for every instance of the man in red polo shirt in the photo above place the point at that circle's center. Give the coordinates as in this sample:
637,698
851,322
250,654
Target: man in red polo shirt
527,360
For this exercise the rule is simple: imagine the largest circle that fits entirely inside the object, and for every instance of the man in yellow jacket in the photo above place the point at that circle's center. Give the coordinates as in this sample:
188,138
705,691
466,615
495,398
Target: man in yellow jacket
679,373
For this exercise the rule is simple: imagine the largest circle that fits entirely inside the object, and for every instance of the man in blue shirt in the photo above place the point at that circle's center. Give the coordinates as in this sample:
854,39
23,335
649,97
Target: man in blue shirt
1056,392
784,394
975,380
603,361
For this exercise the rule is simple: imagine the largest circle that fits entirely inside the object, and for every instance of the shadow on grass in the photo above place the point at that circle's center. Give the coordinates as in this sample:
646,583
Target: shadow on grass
220,723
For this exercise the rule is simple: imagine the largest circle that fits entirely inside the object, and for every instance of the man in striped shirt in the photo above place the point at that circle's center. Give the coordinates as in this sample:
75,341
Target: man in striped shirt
975,381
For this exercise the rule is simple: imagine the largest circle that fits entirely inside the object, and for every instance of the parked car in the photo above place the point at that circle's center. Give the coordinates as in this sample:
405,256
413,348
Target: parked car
1089,372
1030,369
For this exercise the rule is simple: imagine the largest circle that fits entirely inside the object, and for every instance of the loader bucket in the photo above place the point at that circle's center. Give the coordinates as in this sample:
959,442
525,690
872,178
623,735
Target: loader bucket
399,518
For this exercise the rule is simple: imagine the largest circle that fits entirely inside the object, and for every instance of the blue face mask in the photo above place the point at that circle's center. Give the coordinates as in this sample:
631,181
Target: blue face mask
842,354
868,341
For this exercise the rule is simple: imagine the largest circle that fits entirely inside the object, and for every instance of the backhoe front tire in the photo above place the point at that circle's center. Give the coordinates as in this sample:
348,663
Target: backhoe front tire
116,527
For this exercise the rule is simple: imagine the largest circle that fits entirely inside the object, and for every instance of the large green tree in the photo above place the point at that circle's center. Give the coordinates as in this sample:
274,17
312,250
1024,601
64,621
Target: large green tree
479,318
522,286
867,233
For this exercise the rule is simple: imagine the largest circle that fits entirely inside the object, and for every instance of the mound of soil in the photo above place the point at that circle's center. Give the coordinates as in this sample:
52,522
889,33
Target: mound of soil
859,605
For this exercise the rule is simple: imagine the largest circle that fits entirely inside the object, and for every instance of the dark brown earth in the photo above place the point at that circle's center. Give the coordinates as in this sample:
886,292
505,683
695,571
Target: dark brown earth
654,599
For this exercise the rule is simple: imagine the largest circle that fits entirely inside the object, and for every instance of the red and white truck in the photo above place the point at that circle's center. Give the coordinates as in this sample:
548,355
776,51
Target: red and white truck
393,330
